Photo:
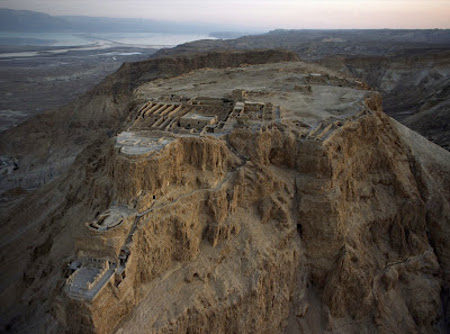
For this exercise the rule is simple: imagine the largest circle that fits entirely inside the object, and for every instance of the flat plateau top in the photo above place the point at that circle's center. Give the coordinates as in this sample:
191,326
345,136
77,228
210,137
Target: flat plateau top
332,94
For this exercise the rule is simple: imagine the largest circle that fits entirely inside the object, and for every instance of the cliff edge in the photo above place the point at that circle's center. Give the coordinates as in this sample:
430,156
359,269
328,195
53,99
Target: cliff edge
264,197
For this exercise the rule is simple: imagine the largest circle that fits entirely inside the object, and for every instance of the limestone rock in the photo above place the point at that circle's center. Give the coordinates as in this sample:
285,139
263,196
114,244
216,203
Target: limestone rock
314,213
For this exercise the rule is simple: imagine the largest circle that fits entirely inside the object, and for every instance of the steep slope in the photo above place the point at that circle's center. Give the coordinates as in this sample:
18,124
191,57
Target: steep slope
264,198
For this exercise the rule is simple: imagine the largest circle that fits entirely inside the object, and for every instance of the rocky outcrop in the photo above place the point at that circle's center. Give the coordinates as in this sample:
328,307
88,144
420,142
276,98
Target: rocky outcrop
278,231
329,219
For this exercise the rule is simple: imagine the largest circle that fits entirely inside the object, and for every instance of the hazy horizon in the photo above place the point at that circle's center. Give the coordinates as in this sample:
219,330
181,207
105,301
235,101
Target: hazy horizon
263,14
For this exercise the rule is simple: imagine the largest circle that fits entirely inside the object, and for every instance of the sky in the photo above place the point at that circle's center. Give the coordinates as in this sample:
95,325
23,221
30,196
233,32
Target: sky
265,14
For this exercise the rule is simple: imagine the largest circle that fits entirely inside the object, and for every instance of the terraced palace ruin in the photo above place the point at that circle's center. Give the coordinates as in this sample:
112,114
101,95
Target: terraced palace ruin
271,197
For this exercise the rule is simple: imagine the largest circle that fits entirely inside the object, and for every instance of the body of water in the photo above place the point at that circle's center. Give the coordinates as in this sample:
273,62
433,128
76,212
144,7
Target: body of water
68,39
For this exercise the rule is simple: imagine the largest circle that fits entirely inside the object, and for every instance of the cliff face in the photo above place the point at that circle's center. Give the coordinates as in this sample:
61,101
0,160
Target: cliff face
308,210
318,235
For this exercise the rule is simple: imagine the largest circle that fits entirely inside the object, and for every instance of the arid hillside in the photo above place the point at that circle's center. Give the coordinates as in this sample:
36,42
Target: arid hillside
225,192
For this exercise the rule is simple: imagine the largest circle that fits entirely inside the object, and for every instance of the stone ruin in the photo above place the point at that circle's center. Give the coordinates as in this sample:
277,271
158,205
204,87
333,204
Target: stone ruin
197,121
87,280
109,219
171,116
200,114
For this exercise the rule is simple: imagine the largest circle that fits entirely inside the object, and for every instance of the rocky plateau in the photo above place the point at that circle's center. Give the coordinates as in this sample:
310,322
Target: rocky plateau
224,192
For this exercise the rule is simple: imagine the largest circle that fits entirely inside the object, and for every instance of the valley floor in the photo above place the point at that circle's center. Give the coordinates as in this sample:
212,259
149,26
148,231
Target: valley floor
34,79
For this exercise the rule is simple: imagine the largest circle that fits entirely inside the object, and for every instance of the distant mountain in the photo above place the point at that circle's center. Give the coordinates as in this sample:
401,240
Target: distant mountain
28,21
313,45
